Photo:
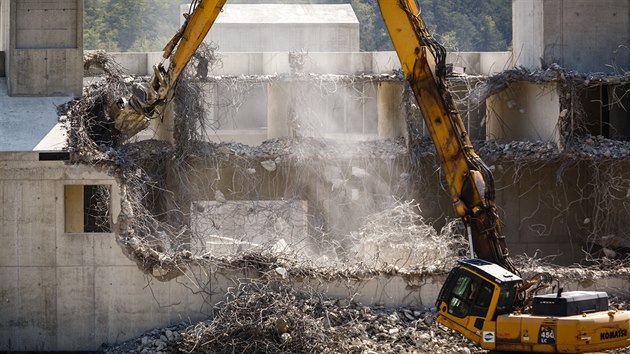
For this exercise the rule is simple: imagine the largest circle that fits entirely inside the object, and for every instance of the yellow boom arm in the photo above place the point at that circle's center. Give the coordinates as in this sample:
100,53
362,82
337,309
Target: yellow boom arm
469,181
149,100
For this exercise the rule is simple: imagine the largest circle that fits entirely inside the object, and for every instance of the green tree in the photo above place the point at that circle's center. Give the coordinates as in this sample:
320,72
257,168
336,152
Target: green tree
123,25
146,25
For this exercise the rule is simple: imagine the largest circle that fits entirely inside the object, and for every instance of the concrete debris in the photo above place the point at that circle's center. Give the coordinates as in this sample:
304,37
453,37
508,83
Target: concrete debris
256,318
269,165
578,148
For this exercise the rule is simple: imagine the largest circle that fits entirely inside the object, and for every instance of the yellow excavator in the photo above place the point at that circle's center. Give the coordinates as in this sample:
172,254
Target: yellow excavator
484,297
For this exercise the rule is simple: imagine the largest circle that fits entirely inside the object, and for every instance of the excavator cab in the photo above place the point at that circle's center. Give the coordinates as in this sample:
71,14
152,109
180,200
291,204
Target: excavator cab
474,294
478,300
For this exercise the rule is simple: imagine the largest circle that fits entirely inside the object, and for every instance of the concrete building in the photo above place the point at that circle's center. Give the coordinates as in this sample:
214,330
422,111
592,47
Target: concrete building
285,27
581,35
65,285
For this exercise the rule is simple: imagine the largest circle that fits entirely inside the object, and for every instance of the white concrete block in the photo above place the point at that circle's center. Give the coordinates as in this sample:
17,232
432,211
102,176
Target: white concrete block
467,60
285,27
276,63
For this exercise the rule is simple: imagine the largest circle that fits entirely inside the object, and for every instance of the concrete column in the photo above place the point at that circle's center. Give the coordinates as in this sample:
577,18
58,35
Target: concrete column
165,127
527,32
45,49
279,106
389,97
524,111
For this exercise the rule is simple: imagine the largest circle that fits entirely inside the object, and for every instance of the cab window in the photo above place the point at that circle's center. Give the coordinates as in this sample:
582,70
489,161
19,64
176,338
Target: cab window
470,295
506,299
459,304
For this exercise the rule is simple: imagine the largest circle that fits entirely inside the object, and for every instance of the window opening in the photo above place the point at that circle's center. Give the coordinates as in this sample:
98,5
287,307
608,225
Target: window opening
87,208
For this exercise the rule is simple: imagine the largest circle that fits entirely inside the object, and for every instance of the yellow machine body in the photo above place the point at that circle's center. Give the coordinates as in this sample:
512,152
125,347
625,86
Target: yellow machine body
476,301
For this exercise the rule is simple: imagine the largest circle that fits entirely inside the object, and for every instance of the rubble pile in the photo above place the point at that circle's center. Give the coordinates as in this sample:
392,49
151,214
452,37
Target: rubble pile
256,319
578,148
304,148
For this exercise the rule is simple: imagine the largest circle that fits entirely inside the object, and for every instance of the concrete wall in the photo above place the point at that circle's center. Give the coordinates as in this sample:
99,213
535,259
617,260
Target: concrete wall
45,55
524,111
71,291
588,35
527,32
75,291
285,27
242,109
582,35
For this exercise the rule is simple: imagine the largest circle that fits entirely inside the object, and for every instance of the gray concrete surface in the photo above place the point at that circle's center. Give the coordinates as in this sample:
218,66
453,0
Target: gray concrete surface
26,121
45,47
524,111
582,35
285,27
269,63
74,291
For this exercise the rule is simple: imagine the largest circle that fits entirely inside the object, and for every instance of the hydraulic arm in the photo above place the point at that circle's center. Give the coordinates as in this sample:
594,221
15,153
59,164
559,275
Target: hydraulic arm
148,100
469,180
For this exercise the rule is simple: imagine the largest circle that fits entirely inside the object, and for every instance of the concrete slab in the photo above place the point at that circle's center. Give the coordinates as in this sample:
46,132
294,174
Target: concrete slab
55,140
26,121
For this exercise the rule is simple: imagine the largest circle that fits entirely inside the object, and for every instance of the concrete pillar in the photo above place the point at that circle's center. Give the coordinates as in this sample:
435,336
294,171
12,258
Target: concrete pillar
45,48
527,32
524,111
164,128
280,106
389,98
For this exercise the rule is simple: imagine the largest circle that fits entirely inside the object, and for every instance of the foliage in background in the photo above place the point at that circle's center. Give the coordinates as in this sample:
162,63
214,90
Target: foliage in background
130,25
146,25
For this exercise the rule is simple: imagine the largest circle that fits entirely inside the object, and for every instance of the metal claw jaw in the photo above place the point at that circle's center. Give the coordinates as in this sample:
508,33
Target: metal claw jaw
146,102
127,119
